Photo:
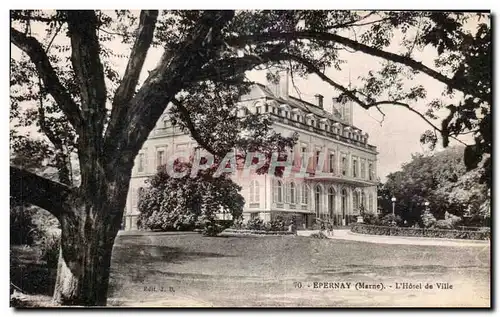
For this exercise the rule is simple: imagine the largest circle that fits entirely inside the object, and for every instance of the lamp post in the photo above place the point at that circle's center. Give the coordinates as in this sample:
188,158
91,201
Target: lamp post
426,206
393,199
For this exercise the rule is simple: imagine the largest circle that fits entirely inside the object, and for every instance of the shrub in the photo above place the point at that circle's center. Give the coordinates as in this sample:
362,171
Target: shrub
50,245
370,219
277,224
443,224
417,232
212,229
388,219
169,203
256,224
454,220
428,220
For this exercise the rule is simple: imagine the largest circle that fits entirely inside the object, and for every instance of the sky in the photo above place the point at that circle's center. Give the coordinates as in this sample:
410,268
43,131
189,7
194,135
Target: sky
396,137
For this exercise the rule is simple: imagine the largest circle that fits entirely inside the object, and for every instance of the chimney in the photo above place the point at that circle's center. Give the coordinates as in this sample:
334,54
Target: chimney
283,84
319,100
279,84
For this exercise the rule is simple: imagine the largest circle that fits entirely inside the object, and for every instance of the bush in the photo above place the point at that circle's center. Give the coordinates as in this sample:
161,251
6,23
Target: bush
186,203
388,219
417,232
212,229
443,224
277,224
256,224
370,219
50,246
454,220
428,220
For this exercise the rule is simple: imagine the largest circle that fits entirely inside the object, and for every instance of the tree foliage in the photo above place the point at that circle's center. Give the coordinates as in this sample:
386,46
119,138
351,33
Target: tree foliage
169,203
442,180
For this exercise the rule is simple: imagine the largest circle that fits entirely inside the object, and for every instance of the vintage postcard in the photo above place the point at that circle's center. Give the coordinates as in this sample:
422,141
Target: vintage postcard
250,158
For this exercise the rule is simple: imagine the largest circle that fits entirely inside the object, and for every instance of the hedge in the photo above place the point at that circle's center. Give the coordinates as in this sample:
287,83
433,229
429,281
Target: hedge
419,232
259,232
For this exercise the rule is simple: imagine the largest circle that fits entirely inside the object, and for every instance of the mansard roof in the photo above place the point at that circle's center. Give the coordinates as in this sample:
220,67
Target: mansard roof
261,91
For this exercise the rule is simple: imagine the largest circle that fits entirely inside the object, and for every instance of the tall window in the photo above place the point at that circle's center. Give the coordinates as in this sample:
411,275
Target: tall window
355,201
254,191
344,203
331,202
371,175
316,157
370,202
344,165
354,167
293,193
363,168
331,163
140,167
317,201
278,191
305,194
363,201
160,158
303,156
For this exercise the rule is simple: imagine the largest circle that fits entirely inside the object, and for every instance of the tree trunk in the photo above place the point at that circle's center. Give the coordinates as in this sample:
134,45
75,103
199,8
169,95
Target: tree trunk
88,231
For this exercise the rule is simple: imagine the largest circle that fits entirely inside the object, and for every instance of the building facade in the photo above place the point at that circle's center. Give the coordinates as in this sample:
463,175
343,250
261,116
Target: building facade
340,179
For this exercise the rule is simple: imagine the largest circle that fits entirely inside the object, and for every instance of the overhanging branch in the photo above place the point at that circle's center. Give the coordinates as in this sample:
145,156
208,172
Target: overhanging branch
32,189
186,118
455,83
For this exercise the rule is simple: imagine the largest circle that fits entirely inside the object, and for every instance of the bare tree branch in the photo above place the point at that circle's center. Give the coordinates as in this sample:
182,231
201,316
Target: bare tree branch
50,79
135,63
186,118
455,83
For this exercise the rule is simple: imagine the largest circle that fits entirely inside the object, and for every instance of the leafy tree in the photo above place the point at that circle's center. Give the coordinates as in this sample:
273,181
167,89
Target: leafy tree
84,105
442,180
169,203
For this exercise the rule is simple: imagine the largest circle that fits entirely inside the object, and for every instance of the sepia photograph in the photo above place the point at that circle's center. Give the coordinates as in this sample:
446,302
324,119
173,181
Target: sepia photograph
250,158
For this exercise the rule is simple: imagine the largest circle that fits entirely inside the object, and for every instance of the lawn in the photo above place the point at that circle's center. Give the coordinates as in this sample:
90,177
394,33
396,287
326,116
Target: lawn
162,269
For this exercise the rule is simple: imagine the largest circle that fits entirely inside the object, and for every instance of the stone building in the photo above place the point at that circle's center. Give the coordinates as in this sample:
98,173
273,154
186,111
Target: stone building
337,191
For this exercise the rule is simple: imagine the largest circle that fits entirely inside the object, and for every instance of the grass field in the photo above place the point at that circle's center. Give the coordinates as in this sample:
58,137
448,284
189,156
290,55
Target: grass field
162,269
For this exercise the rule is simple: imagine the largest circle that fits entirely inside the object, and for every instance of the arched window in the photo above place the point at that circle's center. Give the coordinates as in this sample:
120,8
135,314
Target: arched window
370,202
254,192
278,191
331,202
293,193
355,201
305,194
317,201
344,203
363,201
